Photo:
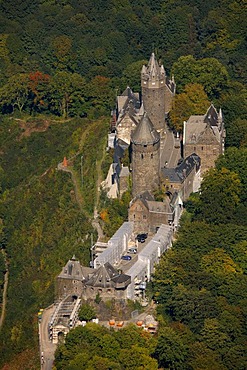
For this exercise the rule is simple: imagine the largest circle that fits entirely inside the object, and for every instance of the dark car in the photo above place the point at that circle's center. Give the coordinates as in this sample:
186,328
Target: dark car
126,258
142,237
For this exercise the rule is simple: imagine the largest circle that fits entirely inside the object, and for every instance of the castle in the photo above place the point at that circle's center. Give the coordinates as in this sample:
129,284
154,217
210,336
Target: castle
140,130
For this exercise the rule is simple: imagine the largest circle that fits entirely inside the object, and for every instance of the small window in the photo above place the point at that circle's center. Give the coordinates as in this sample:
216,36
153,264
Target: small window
202,148
144,217
152,156
194,149
141,156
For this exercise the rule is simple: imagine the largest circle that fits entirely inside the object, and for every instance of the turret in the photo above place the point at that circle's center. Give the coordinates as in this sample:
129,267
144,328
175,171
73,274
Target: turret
153,80
145,157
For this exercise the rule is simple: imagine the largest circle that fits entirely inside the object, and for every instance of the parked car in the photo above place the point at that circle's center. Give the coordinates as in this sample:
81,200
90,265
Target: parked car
142,237
126,258
141,240
132,250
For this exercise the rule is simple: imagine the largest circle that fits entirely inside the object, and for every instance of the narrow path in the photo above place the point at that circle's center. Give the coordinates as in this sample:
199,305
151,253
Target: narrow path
5,288
77,186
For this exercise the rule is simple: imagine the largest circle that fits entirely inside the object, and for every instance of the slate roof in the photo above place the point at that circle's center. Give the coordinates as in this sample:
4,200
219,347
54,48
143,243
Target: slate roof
106,276
127,112
181,172
144,197
153,70
128,100
72,270
171,85
102,276
124,172
145,132
199,125
159,207
211,116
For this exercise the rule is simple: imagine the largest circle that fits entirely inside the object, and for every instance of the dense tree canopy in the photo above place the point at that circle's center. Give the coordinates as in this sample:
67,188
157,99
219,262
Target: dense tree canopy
69,59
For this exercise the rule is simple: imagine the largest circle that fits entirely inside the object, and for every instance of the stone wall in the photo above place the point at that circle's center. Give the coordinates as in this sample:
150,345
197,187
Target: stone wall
207,152
145,168
154,104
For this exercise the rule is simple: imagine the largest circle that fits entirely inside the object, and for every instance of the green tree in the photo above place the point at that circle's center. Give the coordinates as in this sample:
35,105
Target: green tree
213,337
237,133
235,160
208,72
16,92
171,351
220,196
132,75
86,312
67,94
137,358
203,358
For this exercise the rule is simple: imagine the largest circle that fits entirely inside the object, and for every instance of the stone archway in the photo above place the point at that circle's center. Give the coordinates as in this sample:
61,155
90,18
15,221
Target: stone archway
60,337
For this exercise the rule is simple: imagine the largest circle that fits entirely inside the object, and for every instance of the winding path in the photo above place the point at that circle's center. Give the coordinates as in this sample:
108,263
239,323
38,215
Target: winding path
5,288
76,181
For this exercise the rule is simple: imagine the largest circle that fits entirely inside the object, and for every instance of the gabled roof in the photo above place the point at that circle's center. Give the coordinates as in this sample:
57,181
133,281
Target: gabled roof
103,276
128,100
129,114
171,85
143,197
108,277
72,270
145,132
159,207
198,127
181,172
211,117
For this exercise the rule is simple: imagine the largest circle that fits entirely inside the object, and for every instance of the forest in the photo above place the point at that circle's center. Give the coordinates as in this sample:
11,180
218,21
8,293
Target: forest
62,64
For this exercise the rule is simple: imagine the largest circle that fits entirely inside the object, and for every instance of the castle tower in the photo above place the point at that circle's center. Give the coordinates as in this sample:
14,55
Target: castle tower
145,157
153,81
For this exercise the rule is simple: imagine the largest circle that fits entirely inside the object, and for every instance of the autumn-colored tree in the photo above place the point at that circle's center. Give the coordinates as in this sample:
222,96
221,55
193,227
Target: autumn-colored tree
104,215
38,85
193,100
61,46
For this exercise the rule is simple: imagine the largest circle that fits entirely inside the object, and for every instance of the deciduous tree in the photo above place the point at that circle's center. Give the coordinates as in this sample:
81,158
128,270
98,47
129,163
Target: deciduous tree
192,101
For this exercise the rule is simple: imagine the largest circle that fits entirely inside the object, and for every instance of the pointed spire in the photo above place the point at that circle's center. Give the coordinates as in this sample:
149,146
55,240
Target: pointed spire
162,70
145,132
220,115
153,67
144,69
